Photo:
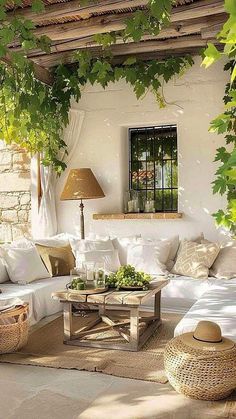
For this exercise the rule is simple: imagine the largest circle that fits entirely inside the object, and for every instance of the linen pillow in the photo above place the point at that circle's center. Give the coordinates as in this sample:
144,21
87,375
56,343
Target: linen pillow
110,259
24,265
173,248
58,260
59,240
150,258
121,245
88,245
195,259
225,264
3,272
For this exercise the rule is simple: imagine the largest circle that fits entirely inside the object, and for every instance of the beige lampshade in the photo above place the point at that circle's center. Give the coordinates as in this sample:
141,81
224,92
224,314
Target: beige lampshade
81,184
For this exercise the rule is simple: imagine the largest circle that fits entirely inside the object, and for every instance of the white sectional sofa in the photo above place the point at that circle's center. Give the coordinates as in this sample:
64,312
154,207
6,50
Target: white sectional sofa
209,299
197,299
218,304
38,295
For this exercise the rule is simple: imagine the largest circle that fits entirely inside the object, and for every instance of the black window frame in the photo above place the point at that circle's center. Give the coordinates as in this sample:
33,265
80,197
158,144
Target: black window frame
151,133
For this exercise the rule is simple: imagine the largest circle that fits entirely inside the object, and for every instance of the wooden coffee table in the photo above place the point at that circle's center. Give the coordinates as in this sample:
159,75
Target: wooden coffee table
129,301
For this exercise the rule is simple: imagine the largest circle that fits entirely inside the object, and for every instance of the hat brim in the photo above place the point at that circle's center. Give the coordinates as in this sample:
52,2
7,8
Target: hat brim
223,345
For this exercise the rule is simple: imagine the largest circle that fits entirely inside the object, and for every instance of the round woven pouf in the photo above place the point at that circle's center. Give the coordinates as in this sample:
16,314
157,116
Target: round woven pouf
202,364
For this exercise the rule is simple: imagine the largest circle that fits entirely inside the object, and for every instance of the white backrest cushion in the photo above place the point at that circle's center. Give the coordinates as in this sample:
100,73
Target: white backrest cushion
109,258
56,241
81,246
225,264
121,244
173,248
24,265
3,272
150,258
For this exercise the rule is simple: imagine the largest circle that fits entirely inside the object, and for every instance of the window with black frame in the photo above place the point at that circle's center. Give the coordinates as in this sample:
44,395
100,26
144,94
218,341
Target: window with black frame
153,165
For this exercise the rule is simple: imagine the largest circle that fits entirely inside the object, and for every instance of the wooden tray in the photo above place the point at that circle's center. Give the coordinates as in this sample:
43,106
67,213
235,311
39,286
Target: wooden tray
87,291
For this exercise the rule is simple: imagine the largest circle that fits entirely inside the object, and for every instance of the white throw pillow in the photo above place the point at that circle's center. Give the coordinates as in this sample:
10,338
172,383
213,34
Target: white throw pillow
24,265
121,244
150,258
225,264
3,272
110,259
81,246
60,240
19,244
173,248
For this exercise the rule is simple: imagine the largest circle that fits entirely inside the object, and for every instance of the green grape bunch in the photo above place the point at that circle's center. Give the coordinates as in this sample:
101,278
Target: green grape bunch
127,276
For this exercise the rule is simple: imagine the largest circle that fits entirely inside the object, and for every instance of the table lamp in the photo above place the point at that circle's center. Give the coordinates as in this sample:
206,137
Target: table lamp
81,184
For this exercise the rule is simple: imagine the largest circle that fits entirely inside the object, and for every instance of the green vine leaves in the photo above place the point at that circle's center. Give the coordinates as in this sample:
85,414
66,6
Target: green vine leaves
225,123
33,115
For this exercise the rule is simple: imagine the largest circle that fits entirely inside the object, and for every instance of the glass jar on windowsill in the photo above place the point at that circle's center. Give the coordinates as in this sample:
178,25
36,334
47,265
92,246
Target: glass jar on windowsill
132,201
149,206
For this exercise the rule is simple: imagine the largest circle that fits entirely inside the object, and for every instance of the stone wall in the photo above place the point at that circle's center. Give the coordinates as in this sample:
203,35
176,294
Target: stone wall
15,198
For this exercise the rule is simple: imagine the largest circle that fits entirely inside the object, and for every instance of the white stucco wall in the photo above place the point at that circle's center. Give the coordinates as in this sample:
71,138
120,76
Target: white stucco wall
104,148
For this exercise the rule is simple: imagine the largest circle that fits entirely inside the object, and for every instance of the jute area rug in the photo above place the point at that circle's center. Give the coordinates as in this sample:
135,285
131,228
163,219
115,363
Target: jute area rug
45,348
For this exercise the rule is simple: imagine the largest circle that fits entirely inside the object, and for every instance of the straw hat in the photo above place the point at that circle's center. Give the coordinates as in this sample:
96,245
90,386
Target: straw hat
207,336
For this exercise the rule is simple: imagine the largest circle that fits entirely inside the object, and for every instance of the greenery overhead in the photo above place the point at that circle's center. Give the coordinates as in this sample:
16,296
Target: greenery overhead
33,114
225,123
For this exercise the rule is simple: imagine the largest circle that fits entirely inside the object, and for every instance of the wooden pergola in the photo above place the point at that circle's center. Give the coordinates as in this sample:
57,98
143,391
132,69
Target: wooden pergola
72,26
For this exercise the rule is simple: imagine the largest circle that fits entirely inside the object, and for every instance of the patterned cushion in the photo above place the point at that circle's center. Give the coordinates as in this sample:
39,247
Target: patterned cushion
58,260
195,259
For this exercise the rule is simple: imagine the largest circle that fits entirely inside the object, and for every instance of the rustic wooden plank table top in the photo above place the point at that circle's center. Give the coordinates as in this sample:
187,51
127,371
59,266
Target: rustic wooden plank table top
113,297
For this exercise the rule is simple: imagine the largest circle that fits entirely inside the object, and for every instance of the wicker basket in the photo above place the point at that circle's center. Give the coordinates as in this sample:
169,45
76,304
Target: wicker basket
14,335
200,374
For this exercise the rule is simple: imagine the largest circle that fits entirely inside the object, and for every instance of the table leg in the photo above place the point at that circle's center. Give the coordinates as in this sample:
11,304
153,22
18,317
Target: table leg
101,309
134,328
157,305
67,316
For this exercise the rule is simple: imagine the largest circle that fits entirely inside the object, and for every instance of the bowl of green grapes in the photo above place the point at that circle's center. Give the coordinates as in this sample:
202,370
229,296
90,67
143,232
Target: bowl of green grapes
128,278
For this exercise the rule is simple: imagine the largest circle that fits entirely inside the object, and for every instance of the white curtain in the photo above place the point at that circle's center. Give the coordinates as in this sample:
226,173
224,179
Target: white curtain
47,216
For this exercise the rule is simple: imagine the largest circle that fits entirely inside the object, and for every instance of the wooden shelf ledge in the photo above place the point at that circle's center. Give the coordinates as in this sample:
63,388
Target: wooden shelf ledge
139,216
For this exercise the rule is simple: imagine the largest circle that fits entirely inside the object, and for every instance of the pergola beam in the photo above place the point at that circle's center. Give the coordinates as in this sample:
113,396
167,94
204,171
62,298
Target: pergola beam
74,8
207,26
116,22
41,73
135,49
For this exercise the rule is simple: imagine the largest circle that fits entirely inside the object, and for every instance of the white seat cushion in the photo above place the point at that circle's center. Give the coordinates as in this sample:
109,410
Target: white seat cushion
183,291
217,305
38,295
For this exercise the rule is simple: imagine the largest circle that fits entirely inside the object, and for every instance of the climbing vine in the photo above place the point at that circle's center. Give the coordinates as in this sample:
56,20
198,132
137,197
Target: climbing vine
225,123
33,114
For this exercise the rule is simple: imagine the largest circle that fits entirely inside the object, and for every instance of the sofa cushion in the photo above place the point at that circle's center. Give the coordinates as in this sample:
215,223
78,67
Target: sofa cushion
182,292
195,259
217,305
58,260
108,258
225,263
174,245
23,264
149,257
3,272
121,245
38,294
